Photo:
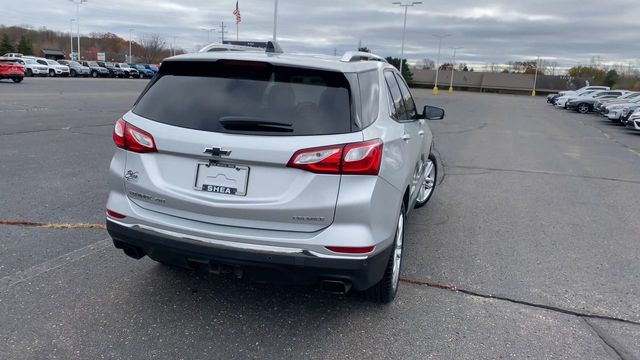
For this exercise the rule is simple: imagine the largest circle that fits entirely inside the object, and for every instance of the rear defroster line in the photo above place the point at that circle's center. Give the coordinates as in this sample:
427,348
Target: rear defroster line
52,226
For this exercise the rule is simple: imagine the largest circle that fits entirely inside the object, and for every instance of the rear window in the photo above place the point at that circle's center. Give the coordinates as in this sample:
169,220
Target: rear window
248,98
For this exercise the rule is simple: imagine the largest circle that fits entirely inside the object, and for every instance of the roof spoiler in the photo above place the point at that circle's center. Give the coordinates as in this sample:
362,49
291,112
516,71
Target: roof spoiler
274,48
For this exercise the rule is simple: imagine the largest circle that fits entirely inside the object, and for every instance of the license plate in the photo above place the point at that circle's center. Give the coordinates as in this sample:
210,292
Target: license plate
222,178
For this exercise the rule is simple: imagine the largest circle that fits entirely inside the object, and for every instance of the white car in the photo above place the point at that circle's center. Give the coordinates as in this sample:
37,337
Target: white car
602,104
563,100
54,68
634,121
128,70
615,111
583,90
13,55
32,68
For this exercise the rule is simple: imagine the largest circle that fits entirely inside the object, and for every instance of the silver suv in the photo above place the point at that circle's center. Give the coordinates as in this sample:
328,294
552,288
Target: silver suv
277,167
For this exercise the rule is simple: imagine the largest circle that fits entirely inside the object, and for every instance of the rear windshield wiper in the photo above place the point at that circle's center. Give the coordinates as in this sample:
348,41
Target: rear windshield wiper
247,123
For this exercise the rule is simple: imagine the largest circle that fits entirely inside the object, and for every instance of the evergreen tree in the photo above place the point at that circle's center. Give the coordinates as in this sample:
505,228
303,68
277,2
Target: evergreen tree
406,72
24,46
5,46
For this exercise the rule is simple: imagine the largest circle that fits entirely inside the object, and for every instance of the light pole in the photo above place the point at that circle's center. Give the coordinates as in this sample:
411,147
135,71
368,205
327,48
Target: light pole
275,19
130,31
440,37
453,67
71,38
404,26
535,78
78,3
208,30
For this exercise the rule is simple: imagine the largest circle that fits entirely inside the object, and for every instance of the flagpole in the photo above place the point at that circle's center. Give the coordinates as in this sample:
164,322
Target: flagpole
236,12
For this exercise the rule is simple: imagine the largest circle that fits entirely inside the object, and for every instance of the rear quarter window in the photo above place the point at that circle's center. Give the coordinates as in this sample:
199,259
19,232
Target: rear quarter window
369,96
199,95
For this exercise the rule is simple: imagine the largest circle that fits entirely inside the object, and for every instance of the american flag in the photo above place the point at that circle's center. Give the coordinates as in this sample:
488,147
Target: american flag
236,12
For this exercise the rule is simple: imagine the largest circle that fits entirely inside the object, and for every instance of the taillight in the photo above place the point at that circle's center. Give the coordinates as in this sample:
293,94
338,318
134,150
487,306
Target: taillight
129,137
118,133
362,158
323,160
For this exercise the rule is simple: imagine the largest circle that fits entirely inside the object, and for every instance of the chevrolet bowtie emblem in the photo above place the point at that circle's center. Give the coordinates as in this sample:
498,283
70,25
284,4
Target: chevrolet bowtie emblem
216,151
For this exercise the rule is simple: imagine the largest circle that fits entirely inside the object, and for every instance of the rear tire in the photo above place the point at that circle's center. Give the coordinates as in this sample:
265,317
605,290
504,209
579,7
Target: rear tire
73,73
387,288
94,74
428,185
583,108
17,80
52,73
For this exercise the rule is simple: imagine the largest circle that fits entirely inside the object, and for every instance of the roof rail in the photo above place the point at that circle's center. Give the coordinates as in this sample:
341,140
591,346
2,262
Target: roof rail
352,56
227,47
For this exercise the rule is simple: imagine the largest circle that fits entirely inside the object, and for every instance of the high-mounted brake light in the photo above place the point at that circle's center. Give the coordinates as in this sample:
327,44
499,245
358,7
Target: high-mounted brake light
362,158
129,137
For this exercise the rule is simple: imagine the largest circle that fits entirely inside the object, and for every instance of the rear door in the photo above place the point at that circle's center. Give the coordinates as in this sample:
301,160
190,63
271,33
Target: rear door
412,138
424,136
225,132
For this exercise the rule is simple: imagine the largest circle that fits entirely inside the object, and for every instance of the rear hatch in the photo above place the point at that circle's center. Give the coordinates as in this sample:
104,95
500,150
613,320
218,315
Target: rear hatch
10,67
225,131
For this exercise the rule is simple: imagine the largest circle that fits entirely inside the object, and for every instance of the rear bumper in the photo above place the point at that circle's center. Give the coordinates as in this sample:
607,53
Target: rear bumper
12,76
261,263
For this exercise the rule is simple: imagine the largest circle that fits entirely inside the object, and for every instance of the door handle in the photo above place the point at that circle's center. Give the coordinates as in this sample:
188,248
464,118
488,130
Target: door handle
421,132
406,137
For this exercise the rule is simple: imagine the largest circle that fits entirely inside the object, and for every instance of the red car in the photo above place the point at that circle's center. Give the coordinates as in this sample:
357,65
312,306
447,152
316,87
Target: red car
10,69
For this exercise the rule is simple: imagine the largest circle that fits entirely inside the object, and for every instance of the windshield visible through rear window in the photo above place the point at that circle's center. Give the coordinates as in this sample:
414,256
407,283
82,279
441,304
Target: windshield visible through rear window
248,98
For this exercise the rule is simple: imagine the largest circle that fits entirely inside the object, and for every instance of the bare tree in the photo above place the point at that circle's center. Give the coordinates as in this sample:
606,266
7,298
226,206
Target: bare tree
426,64
151,49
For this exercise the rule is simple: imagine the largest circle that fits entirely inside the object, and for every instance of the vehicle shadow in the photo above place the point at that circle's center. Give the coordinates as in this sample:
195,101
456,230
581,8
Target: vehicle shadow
234,316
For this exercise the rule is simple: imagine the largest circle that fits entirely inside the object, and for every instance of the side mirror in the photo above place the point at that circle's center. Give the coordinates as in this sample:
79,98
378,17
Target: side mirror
432,113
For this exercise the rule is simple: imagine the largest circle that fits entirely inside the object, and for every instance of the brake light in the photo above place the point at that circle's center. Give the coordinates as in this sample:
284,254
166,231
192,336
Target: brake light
323,160
132,138
362,158
351,250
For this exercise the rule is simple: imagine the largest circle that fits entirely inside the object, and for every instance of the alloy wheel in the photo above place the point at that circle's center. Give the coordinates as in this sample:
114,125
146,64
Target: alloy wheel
397,252
426,188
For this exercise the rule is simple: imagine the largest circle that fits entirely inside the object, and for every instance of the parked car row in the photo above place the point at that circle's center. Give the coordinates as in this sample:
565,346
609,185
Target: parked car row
619,106
36,66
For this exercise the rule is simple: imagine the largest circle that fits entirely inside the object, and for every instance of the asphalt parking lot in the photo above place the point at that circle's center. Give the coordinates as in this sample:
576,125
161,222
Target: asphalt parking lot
534,223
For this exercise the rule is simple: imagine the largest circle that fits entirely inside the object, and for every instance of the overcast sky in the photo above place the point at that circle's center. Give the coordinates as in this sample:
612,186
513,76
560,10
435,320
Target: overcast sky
490,31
